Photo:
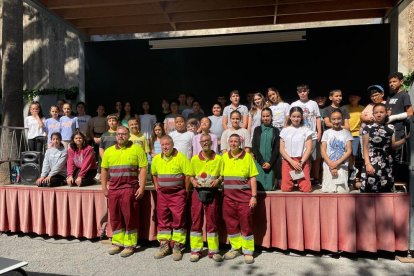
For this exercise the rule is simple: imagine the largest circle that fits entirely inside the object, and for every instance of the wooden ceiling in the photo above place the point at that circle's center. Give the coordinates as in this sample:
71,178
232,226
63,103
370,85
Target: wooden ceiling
98,17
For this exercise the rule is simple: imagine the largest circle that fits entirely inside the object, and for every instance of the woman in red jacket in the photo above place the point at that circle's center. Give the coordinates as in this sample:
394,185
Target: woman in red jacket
81,162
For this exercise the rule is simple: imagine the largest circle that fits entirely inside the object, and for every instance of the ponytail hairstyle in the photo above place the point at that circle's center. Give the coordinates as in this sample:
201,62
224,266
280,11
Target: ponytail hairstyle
295,109
384,106
58,135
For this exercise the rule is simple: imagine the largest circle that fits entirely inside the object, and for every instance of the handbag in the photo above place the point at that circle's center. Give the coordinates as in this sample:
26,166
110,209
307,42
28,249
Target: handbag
206,195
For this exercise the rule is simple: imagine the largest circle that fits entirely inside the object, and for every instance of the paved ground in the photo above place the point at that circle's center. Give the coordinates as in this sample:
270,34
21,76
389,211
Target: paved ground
49,256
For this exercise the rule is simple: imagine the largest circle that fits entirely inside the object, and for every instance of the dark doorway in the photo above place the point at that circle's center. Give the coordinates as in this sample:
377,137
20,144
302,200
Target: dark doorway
349,58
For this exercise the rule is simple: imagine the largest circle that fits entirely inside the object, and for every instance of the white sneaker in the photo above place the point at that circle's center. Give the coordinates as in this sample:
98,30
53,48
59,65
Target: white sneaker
354,173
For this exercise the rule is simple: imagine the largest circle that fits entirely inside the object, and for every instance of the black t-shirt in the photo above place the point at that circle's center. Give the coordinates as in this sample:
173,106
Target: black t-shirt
327,111
397,103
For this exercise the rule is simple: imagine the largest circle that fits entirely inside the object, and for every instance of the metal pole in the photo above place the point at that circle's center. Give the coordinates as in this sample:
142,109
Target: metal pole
411,181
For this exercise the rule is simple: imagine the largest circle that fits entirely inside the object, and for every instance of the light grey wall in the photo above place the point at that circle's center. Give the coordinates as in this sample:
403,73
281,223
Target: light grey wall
52,54
402,37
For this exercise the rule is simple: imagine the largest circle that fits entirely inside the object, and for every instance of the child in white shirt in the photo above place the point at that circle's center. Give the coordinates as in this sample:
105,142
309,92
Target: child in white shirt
336,150
295,148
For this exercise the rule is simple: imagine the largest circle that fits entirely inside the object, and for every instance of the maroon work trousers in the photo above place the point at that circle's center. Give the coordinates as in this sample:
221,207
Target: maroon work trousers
123,209
199,209
171,210
238,217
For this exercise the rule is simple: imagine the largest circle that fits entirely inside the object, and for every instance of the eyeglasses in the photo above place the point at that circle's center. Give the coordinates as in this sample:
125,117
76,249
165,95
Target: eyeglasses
375,95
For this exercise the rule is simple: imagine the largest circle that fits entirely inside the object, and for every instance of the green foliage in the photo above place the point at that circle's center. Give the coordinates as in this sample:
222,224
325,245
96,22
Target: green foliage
69,93
408,80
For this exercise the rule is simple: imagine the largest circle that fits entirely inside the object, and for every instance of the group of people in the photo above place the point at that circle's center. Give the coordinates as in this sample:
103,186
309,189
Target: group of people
306,143
242,149
123,175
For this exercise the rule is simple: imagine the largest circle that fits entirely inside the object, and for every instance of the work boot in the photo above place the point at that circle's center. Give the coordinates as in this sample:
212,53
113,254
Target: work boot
232,254
128,251
248,259
177,254
217,257
163,251
194,257
115,249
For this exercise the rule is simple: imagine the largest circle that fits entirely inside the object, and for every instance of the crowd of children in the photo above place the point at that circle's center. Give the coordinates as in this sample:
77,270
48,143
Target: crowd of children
318,144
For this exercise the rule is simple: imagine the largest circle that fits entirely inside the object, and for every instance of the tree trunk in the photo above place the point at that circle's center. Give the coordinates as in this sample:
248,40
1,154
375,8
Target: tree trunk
11,74
12,63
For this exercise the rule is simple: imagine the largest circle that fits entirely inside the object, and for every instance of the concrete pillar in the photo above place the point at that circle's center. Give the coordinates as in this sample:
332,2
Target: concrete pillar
403,61
402,37
53,53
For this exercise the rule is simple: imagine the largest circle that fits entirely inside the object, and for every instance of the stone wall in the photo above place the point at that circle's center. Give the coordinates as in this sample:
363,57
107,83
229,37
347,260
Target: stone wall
52,53
406,37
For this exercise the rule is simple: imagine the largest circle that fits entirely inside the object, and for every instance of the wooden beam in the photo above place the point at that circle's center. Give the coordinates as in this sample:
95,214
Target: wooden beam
327,16
319,7
289,2
207,5
97,12
128,29
225,23
70,4
223,14
166,15
119,21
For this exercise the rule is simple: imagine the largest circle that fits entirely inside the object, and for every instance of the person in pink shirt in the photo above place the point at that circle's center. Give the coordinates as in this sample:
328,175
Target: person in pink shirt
81,163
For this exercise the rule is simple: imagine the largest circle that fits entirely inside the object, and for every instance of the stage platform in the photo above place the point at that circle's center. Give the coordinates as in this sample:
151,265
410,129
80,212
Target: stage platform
316,221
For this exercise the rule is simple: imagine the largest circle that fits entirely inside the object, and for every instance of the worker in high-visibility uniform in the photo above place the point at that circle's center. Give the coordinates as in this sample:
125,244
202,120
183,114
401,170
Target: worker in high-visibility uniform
123,176
206,178
171,171
240,197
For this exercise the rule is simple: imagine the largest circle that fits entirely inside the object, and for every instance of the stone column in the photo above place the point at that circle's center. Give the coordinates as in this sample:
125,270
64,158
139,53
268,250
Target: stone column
402,38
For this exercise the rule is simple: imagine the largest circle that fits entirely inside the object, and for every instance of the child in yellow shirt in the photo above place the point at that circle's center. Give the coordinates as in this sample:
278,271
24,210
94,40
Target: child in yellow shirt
136,136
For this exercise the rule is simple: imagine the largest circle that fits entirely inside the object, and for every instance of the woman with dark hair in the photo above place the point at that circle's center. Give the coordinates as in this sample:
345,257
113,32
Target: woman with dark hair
81,162
169,121
35,124
258,104
83,119
165,110
266,152
127,113
280,109
378,141
118,108
245,140
147,120
295,148
54,164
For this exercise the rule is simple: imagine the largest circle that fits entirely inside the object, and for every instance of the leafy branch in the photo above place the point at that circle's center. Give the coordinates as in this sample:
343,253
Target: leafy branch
408,80
69,93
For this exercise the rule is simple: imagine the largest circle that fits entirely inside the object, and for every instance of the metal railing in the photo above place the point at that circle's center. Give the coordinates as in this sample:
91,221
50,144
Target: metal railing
12,142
